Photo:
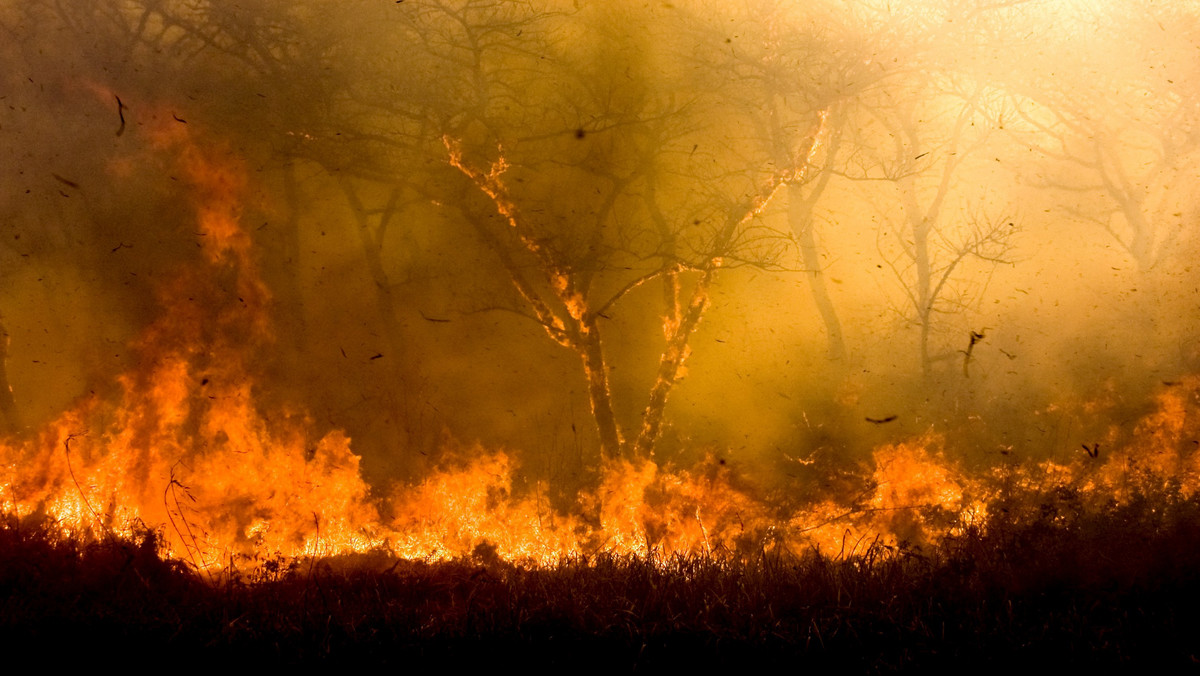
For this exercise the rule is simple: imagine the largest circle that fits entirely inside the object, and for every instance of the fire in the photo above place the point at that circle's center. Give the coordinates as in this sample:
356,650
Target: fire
918,497
182,445
1161,453
461,510
914,497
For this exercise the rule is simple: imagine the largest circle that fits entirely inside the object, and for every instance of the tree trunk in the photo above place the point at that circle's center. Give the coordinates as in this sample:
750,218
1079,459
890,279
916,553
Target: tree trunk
800,220
11,421
595,368
670,364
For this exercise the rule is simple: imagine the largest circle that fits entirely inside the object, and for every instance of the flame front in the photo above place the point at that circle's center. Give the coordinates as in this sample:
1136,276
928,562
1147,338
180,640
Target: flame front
183,446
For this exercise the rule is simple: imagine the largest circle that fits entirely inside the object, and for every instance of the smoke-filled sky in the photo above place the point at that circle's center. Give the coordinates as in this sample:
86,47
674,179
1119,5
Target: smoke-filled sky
790,229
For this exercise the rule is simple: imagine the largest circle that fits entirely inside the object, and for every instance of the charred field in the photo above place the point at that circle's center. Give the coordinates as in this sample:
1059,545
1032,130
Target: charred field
1049,586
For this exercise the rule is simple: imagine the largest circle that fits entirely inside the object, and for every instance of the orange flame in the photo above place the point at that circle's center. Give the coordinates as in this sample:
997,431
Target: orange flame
183,448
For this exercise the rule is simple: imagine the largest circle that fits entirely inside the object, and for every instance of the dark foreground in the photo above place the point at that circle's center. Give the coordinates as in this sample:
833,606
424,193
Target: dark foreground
1106,590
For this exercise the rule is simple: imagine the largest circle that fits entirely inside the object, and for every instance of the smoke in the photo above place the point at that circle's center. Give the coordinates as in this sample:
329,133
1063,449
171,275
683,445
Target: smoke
1018,173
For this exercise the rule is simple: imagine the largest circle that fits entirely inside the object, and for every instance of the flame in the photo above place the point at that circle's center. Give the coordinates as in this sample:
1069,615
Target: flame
222,482
461,510
915,497
1162,452
182,445
918,496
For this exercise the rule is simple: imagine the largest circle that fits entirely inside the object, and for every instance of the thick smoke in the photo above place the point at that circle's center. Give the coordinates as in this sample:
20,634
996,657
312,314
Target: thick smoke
955,217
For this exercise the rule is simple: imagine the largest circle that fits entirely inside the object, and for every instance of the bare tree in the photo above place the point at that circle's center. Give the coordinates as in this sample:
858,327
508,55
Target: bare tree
933,125
1124,169
778,80
651,210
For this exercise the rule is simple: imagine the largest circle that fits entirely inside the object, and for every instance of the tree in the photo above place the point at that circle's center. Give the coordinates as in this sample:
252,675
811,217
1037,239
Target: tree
914,136
603,171
917,102
1127,165
778,80
652,210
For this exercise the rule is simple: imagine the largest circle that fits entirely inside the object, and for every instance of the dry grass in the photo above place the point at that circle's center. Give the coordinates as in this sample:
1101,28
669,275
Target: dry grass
1047,584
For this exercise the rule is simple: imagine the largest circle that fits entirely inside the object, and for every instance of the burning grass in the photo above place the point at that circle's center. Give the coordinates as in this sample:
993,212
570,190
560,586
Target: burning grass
241,489
1046,582
925,564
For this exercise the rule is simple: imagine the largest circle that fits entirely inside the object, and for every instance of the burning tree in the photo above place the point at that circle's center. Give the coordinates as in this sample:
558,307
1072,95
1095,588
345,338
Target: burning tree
589,181
632,162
